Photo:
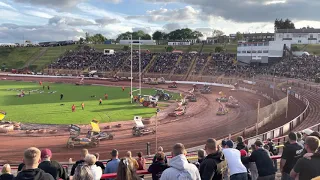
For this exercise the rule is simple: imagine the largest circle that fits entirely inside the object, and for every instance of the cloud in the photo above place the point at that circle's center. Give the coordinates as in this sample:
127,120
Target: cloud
49,3
4,5
57,20
185,14
106,21
256,10
11,32
38,14
113,1
171,27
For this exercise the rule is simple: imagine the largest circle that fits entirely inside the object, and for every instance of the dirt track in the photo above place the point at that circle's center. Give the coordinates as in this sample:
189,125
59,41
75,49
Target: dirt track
191,131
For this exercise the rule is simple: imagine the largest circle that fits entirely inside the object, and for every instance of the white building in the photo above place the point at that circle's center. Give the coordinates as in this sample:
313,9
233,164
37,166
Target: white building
136,42
261,52
298,36
179,43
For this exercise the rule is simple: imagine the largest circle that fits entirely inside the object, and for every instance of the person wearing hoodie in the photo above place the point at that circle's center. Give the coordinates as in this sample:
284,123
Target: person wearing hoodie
96,171
52,167
209,166
31,160
157,167
180,169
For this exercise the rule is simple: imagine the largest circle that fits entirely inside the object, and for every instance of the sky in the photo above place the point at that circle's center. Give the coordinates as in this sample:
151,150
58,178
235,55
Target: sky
55,20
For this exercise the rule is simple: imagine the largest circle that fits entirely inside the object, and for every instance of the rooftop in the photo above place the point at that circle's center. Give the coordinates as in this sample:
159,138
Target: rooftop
310,30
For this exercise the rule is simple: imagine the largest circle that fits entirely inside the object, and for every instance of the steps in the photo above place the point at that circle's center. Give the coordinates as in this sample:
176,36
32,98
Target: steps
146,69
208,60
36,57
177,63
191,67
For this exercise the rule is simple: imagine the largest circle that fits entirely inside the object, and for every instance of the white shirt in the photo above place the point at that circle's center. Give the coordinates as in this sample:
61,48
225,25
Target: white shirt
96,172
233,159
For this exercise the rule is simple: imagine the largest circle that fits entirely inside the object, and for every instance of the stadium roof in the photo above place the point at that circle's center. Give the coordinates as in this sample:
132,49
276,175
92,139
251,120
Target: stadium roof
310,30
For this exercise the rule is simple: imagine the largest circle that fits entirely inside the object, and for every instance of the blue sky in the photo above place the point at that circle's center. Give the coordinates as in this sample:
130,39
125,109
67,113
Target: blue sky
49,20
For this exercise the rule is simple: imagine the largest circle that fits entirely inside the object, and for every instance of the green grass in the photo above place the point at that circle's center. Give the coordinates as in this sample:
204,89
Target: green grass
51,55
311,48
17,57
46,108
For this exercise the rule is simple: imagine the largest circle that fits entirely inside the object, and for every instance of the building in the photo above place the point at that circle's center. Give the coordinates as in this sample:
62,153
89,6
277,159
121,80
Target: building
258,37
261,52
179,43
136,42
298,36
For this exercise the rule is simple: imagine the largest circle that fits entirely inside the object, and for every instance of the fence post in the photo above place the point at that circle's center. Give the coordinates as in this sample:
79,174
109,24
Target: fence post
148,148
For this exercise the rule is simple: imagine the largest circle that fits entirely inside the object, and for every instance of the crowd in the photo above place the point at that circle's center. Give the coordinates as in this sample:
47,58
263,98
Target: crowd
164,63
110,62
202,60
184,64
227,160
145,58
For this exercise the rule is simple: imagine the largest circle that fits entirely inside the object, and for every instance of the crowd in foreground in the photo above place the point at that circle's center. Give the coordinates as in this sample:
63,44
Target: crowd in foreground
228,160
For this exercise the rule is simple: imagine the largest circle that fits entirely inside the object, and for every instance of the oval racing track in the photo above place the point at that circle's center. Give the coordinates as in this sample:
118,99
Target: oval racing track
191,131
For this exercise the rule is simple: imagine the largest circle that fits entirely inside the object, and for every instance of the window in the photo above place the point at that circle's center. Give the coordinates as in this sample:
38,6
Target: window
265,51
311,35
259,51
248,51
244,51
254,51
260,44
299,41
238,51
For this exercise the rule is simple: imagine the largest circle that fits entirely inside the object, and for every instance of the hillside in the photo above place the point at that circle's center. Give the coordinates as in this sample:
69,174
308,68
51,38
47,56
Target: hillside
16,57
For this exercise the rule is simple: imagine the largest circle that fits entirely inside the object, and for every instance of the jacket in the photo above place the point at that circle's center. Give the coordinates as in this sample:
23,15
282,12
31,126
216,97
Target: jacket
33,174
53,168
180,169
96,172
241,146
209,167
6,177
156,169
75,166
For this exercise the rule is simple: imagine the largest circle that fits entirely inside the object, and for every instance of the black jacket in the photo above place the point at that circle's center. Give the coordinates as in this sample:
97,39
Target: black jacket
33,174
53,168
75,166
242,146
155,159
263,162
6,177
209,167
156,169
273,148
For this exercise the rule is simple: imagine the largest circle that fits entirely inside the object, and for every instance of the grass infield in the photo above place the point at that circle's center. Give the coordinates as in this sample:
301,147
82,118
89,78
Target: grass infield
47,108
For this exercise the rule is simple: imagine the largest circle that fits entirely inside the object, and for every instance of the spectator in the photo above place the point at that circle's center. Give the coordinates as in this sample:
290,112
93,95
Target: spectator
21,167
306,133
157,167
126,170
244,154
83,172
52,167
141,161
201,155
83,154
272,147
263,162
241,144
233,158
299,136
290,155
99,163
316,134
160,149
179,166
135,163
96,171
212,165
112,166
304,168
6,173
31,158
252,166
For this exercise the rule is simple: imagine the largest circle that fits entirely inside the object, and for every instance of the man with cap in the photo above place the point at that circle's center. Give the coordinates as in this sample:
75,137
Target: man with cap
52,167
112,166
237,170
264,163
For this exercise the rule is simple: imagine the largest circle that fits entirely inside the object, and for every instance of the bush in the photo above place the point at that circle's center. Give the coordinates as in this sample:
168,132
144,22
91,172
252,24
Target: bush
218,49
169,49
125,48
295,48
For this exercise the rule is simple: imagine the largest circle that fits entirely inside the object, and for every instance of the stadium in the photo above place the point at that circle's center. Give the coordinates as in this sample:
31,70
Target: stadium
138,96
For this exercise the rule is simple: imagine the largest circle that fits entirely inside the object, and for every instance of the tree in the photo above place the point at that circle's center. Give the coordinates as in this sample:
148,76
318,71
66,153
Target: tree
158,35
81,40
217,33
88,37
286,24
135,36
239,36
183,34
169,49
218,49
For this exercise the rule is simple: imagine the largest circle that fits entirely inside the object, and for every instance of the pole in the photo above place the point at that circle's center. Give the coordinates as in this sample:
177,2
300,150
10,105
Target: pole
274,81
139,67
257,124
156,131
287,102
131,71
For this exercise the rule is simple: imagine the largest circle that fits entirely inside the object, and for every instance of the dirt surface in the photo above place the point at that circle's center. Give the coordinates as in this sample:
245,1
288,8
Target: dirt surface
192,129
